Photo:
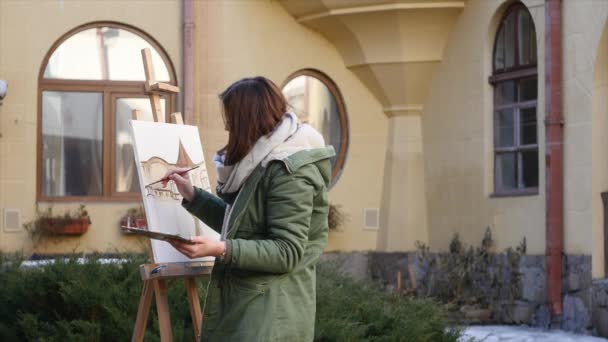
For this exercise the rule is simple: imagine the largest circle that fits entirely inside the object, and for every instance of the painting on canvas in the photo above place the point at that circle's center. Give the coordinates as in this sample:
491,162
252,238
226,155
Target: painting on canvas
160,147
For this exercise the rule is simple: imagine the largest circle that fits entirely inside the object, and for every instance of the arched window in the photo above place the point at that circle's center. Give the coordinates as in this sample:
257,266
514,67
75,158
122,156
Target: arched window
515,81
316,100
89,83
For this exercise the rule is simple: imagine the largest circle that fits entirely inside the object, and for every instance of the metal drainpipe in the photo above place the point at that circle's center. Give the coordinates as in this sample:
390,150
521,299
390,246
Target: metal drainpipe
188,61
554,151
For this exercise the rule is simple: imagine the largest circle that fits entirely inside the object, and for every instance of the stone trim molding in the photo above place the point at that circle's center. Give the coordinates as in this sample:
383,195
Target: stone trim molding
380,8
392,111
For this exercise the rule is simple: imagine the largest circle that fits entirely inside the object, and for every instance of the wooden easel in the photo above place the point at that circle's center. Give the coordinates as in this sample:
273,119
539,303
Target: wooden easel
155,275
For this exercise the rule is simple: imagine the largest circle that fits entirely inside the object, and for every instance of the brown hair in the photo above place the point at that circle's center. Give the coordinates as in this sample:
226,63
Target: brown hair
252,108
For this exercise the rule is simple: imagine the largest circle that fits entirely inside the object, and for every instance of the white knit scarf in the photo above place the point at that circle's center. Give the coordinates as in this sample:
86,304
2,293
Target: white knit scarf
232,177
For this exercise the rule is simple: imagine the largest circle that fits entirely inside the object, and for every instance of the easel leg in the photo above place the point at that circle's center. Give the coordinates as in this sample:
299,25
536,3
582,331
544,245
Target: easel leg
142,312
195,306
162,307
156,108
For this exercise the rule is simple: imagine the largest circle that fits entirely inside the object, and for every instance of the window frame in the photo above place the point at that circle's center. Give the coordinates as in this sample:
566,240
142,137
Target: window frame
110,90
336,171
516,74
517,67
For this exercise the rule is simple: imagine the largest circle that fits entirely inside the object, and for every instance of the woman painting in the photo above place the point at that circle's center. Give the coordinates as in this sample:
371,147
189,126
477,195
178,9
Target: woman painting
272,216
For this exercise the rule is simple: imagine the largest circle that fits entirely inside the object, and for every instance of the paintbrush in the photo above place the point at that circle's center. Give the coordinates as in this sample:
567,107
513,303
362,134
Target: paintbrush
166,179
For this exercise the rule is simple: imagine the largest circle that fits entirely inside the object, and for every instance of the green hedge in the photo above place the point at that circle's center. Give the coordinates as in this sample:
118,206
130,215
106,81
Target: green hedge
69,301
349,310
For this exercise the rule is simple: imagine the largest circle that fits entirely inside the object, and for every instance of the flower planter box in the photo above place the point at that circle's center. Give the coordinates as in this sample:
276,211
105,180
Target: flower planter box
136,222
141,223
65,227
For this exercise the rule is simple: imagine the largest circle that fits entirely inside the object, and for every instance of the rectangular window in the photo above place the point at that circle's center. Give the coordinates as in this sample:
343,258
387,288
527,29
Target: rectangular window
86,148
516,164
72,143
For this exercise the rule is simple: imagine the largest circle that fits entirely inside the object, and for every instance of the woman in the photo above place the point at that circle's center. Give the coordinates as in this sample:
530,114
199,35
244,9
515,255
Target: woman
272,215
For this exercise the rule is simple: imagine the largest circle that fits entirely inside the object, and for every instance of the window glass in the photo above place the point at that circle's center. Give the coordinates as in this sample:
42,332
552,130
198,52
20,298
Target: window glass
499,52
524,38
506,171
71,143
528,126
515,44
314,103
506,128
505,92
528,89
510,41
529,168
103,53
532,56
125,171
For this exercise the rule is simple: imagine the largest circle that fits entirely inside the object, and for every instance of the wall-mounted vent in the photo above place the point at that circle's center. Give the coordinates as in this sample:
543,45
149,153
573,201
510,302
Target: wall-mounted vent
371,218
12,220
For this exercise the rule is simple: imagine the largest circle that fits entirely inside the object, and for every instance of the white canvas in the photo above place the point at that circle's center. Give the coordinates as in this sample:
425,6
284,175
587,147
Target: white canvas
160,147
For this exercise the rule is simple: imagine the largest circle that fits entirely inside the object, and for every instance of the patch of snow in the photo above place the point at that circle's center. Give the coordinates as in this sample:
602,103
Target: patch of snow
45,262
499,333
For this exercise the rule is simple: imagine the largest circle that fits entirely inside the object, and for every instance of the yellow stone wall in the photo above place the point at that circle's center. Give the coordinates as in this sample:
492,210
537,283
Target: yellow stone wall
586,107
231,42
458,140
457,135
585,79
430,170
27,30
237,39
599,155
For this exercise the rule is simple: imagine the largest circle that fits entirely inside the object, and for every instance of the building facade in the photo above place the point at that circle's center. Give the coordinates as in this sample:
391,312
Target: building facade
437,108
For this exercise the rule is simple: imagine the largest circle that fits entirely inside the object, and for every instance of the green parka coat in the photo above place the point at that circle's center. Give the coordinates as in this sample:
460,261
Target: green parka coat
264,289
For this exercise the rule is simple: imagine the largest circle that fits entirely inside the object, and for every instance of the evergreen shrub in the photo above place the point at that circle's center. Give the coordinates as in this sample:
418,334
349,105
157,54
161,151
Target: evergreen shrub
350,310
75,300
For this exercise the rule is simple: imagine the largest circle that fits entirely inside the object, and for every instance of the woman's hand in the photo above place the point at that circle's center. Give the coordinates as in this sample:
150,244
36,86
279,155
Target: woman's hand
184,186
202,247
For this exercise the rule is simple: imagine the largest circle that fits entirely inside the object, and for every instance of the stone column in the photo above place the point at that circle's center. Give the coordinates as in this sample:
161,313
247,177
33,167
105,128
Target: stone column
403,214
394,49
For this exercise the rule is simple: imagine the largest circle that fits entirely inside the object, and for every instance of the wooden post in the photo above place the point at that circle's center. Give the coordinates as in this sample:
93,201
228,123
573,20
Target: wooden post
162,308
138,115
146,56
177,118
398,281
195,306
155,275
143,312
410,269
157,110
